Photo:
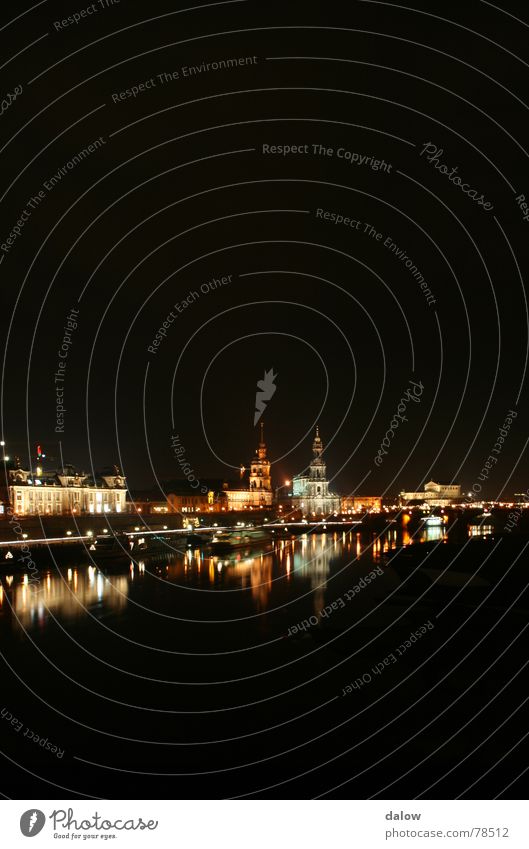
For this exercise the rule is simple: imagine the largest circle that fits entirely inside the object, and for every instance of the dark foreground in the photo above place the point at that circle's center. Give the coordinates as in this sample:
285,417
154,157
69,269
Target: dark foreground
195,677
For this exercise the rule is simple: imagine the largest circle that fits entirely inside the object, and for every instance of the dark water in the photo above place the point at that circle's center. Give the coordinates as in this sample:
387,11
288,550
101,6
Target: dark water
200,676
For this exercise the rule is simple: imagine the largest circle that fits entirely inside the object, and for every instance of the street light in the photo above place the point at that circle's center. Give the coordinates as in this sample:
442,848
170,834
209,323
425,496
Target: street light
287,483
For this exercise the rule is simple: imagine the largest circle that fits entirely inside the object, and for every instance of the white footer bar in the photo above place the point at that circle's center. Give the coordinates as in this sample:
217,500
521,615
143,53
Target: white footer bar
266,824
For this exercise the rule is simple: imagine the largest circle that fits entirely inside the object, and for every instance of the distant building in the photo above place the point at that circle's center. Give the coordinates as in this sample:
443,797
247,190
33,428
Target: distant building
187,500
310,492
258,494
434,494
361,503
65,492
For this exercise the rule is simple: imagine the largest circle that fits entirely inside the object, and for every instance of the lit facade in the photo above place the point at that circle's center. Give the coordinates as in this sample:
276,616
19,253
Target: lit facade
65,493
434,494
310,492
188,502
259,494
361,503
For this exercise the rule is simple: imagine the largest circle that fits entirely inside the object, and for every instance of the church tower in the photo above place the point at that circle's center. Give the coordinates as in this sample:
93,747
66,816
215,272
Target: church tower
311,489
260,467
318,466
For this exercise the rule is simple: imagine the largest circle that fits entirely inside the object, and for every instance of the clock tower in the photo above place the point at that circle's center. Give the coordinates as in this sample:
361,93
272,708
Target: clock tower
260,468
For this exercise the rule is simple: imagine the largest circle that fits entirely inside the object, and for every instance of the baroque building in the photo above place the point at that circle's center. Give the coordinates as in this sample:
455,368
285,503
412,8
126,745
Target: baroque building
258,494
66,492
311,491
434,494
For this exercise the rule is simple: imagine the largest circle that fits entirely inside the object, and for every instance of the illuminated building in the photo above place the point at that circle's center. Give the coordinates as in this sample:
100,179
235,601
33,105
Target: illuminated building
311,491
65,492
361,503
434,494
189,501
258,494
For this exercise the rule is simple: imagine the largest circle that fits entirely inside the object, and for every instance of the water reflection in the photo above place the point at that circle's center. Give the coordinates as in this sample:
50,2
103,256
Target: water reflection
67,593
429,534
480,530
256,573
290,567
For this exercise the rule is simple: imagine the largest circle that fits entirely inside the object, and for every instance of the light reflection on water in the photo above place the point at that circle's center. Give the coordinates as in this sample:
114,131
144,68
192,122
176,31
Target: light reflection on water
69,592
480,530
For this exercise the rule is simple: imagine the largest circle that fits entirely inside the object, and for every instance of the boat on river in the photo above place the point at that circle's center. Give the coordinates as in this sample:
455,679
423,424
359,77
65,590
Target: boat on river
226,541
120,549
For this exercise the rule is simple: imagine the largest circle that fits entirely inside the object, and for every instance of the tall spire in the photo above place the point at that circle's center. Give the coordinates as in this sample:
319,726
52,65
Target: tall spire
261,451
317,445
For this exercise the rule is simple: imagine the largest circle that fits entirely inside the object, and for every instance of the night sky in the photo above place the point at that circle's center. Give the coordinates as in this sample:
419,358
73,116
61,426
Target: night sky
179,191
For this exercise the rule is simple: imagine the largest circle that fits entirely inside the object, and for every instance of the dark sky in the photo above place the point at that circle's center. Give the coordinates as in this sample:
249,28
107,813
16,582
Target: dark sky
179,192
